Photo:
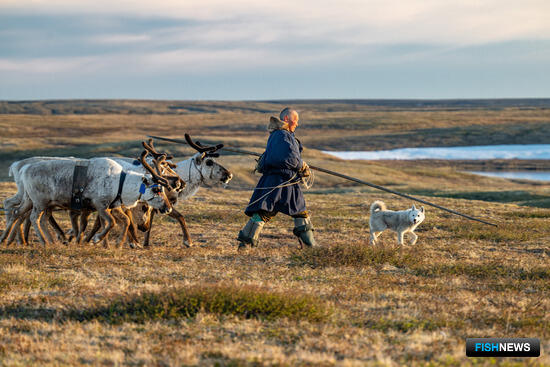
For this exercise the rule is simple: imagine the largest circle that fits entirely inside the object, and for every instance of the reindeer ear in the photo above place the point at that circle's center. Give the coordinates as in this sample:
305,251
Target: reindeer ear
413,207
198,158
422,209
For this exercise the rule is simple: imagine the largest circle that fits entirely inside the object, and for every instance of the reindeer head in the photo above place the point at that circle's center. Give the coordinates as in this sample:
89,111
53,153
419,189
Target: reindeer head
211,171
155,196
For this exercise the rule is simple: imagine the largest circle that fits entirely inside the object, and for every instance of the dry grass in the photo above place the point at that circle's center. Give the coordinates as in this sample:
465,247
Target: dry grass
389,305
345,304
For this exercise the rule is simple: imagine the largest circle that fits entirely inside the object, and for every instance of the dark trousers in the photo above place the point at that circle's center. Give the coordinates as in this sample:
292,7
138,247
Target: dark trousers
267,216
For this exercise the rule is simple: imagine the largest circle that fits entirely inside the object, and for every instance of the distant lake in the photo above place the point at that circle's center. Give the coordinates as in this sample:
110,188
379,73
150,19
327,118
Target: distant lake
528,151
523,175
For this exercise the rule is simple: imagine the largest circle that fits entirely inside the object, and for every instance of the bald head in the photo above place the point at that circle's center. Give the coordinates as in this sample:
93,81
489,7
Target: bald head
289,113
291,117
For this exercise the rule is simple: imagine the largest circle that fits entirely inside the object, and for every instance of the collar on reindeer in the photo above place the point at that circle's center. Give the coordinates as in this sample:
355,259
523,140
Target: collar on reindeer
143,187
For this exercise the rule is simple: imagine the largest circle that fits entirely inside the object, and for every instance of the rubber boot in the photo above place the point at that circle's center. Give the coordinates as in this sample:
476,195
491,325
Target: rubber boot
250,233
303,229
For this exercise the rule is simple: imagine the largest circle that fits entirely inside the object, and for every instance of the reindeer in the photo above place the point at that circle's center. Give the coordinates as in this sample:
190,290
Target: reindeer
43,190
11,203
163,168
199,170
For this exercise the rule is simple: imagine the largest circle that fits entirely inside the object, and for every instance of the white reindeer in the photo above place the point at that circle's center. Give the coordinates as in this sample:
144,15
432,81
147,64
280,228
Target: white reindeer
12,203
48,184
128,164
198,171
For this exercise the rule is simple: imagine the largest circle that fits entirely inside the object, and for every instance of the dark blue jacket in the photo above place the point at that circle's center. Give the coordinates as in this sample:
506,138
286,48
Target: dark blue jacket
282,159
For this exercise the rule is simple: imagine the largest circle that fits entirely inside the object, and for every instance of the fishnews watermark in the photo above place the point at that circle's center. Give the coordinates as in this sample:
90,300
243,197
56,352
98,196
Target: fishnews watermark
502,347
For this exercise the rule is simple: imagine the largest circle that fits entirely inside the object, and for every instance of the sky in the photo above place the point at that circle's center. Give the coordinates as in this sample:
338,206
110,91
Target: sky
266,50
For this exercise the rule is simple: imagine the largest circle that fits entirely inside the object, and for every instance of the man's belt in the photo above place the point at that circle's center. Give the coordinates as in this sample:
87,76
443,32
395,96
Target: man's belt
279,171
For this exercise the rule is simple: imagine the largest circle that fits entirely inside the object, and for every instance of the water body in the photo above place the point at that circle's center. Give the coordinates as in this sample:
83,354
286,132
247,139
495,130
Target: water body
480,152
523,175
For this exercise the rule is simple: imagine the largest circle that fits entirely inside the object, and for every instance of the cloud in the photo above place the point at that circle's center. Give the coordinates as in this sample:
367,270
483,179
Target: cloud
318,43
47,65
110,39
346,21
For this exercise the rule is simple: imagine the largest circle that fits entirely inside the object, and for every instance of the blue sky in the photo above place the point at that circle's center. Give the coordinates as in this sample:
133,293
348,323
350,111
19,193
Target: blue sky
254,50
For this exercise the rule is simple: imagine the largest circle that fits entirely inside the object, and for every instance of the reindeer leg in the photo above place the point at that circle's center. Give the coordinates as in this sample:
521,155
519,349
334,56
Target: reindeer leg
97,225
45,215
132,231
16,230
84,215
9,226
73,232
59,232
179,217
149,226
27,229
36,216
20,232
15,219
108,221
123,218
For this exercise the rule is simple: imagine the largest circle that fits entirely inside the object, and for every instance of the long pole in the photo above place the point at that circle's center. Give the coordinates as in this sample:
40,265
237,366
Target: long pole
333,173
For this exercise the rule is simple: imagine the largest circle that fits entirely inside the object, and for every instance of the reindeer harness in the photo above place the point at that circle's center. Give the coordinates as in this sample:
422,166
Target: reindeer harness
120,185
80,181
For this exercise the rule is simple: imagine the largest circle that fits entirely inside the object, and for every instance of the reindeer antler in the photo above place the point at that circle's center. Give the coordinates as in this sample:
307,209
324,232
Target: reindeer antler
212,148
199,148
153,150
156,177
167,173
157,162
149,148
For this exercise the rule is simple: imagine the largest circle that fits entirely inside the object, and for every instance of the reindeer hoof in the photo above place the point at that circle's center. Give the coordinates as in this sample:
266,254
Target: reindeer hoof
134,245
96,239
187,244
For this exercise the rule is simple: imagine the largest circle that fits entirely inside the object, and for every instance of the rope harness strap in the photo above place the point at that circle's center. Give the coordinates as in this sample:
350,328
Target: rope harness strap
304,180
346,177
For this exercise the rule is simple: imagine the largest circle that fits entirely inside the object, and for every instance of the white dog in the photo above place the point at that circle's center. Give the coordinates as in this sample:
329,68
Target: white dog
401,221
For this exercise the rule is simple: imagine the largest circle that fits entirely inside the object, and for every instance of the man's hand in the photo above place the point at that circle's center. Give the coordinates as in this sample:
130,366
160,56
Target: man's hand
304,171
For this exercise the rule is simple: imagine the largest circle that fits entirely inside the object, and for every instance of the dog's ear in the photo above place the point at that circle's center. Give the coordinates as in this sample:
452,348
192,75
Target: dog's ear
422,209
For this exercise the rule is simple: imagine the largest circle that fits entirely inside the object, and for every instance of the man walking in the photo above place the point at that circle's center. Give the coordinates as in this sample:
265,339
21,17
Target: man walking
278,189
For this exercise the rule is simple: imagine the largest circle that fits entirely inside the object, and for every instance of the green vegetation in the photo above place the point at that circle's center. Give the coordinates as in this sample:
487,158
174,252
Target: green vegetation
247,302
355,254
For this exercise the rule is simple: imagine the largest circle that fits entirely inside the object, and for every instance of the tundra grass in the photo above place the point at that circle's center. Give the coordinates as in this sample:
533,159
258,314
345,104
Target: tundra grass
345,304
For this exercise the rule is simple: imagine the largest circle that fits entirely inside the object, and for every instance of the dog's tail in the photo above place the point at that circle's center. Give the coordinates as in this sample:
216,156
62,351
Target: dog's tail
377,206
